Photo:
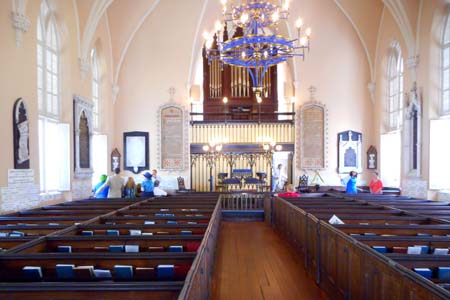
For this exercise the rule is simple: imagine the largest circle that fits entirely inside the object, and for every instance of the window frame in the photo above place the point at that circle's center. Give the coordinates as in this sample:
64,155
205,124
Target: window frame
96,86
395,89
47,25
444,105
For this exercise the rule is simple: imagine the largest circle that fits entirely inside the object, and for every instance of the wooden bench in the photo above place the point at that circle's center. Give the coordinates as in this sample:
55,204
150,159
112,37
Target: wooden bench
344,259
190,214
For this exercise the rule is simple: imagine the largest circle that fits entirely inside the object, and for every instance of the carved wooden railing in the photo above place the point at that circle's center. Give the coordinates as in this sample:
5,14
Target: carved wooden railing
242,201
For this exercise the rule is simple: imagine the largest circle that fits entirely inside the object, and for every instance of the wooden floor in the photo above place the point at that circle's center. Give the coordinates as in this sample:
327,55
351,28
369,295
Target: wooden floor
253,262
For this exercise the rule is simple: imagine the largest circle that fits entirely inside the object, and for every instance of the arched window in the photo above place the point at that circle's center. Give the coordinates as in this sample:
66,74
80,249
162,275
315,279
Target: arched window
439,144
53,135
48,64
390,142
445,69
95,89
395,89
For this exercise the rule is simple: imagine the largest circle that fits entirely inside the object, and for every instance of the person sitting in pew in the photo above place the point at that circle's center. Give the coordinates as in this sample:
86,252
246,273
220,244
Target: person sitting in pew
290,192
157,190
147,186
351,183
376,186
130,189
138,190
104,192
115,184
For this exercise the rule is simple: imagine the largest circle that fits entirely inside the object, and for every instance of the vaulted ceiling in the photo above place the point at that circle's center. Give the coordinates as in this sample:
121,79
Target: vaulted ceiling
126,17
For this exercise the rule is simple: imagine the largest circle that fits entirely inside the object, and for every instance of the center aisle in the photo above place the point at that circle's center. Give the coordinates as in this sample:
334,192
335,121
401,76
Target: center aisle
254,262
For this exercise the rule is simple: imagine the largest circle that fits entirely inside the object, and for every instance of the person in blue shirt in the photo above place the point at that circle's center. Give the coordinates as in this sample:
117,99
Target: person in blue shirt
351,183
104,192
147,186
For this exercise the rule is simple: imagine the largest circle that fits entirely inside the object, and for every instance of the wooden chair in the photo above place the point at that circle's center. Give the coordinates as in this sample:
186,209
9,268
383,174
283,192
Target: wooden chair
302,184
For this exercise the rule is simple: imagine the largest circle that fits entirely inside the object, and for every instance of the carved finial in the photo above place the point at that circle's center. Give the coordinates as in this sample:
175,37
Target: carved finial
171,93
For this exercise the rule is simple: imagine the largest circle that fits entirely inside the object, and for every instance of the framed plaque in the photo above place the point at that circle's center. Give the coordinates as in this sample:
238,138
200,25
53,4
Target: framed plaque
136,151
115,159
172,138
21,134
349,151
372,159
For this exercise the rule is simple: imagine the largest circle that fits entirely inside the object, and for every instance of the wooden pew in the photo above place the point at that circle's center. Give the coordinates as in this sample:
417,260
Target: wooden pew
344,265
43,251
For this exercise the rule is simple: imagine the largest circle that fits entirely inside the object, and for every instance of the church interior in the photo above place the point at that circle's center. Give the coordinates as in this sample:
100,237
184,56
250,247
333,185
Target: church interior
225,149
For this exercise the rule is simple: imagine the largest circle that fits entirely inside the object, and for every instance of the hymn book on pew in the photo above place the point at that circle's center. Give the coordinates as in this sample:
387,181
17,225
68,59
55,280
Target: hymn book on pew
443,273
165,272
334,220
102,274
65,271
425,272
84,273
135,232
112,232
115,248
175,248
123,272
414,250
131,248
440,251
67,249
32,273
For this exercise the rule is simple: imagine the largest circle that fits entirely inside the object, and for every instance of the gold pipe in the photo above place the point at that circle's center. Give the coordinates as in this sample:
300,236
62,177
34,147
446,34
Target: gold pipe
239,83
248,84
233,81
210,81
217,79
214,78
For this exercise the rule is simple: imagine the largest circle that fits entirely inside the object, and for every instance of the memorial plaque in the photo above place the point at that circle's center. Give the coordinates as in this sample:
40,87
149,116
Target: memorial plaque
84,142
21,132
349,151
136,151
313,137
172,138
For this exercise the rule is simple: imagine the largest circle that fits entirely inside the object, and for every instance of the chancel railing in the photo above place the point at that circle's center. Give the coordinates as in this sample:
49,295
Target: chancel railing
242,149
242,201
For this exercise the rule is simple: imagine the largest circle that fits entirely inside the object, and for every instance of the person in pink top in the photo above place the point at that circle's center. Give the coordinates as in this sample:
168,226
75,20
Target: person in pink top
290,192
376,186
